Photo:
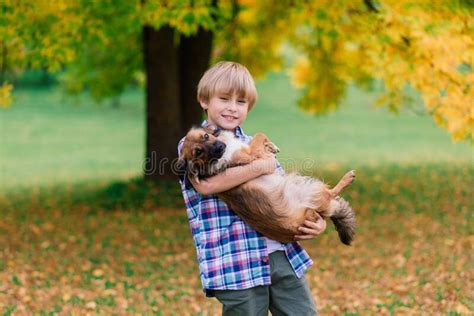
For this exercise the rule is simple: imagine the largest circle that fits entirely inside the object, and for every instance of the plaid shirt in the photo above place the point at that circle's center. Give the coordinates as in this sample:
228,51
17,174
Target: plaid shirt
231,254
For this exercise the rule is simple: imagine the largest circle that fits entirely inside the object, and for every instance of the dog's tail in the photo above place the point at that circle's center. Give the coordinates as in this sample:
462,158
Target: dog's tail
344,221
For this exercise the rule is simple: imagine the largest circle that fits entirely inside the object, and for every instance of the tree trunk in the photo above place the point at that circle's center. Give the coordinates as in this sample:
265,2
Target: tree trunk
172,73
163,104
195,53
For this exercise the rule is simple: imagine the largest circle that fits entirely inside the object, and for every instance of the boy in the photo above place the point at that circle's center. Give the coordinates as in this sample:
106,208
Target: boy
248,273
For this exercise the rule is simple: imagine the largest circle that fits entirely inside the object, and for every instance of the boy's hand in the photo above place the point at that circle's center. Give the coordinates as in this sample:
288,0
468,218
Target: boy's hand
311,229
265,166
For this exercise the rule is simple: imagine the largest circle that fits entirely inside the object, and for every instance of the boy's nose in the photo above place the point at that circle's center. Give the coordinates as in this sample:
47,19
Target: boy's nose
233,106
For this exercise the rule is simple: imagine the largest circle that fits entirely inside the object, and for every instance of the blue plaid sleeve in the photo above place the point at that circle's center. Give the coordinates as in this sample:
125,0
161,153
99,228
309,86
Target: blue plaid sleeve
180,146
280,169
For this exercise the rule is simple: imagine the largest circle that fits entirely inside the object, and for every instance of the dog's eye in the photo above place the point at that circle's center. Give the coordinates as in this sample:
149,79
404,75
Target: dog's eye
206,136
197,152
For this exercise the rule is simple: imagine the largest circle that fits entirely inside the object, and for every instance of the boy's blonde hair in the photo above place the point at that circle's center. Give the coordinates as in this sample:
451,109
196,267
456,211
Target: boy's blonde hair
227,77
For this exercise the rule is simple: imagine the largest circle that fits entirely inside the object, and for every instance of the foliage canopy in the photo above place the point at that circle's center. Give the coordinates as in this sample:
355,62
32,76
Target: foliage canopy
423,46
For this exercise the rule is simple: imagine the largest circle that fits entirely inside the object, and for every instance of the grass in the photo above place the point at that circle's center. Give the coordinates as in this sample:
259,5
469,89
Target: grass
47,139
82,233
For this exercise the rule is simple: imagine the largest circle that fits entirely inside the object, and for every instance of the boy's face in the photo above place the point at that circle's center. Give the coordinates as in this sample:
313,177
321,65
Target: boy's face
226,111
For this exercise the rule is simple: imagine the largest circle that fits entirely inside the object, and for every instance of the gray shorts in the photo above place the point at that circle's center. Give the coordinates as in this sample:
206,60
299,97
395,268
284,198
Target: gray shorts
287,295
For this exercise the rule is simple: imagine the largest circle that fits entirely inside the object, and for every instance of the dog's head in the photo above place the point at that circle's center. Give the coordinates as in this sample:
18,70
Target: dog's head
201,149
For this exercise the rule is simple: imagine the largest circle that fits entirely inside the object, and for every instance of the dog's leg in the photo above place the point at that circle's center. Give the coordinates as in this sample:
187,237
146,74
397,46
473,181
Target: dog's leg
242,156
259,148
262,147
346,180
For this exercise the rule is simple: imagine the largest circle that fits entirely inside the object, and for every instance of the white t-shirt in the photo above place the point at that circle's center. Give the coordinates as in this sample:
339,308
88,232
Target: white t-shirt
273,245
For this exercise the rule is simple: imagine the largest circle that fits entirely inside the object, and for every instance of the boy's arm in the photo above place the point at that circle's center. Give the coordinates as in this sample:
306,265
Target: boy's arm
234,176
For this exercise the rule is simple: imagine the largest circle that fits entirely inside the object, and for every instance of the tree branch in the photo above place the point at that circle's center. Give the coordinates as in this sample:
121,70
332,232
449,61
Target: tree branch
371,6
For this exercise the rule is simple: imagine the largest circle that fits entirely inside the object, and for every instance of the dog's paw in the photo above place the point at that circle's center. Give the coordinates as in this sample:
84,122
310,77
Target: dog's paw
271,147
349,177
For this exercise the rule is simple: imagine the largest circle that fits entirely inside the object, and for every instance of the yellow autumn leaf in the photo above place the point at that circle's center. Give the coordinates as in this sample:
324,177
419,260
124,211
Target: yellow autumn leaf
300,72
5,95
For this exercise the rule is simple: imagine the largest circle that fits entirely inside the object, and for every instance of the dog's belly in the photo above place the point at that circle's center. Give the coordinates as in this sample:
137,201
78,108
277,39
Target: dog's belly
268,182
290,194
275,205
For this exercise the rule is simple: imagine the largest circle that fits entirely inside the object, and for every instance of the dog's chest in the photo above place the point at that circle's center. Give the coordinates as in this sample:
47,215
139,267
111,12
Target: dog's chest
233,144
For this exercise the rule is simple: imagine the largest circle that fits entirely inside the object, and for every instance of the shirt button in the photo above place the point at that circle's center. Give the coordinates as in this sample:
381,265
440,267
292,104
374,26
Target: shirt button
265,259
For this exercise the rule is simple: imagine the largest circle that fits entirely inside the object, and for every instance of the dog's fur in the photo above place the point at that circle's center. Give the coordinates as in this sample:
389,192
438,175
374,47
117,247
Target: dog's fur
275,205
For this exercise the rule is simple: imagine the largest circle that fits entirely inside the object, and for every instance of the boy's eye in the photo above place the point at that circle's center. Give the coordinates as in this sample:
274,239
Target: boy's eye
242,101
224,98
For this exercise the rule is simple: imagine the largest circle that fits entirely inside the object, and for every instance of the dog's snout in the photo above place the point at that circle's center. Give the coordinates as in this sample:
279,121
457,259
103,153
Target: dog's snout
220,146
218,149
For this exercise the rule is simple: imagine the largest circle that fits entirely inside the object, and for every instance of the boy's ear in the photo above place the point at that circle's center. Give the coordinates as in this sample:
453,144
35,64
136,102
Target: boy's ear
204,104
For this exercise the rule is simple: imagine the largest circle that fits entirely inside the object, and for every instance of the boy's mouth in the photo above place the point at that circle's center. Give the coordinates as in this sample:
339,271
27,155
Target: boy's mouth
229,117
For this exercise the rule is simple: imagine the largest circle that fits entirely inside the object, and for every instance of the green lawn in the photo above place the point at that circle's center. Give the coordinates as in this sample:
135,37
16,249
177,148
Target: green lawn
46,138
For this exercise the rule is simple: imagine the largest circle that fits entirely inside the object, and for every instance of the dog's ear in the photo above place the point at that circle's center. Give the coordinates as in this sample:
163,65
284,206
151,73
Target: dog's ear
180,167
212,129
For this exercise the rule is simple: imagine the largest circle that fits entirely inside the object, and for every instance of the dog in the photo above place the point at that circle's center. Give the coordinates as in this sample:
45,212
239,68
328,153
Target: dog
274,205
